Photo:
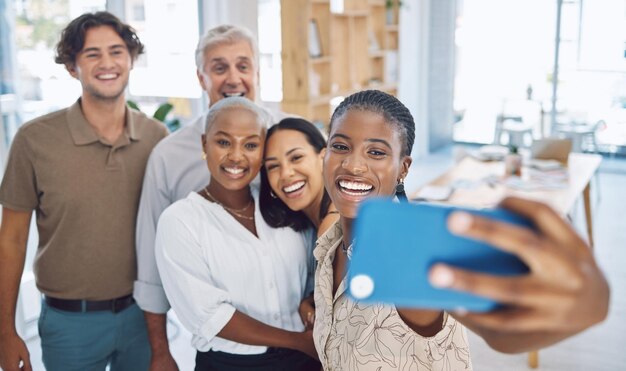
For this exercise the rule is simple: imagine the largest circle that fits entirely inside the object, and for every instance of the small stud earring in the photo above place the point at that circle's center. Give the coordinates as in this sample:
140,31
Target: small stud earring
203,155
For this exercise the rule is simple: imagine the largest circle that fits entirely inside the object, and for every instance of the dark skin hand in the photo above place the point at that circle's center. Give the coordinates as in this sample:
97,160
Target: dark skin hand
307,312
564,293
246,330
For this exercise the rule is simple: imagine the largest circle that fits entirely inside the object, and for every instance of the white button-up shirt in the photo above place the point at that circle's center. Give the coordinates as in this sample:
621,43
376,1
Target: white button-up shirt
211,265
174,169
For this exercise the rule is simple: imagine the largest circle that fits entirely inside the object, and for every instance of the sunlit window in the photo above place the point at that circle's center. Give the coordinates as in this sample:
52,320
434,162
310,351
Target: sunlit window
271,79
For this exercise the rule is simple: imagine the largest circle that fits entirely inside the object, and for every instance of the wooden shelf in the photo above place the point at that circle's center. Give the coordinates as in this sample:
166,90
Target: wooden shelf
321,60
391,28
347,64
352,13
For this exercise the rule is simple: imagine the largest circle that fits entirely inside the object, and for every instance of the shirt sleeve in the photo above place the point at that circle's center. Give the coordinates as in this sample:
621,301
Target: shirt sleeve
202,308
19,190
148,289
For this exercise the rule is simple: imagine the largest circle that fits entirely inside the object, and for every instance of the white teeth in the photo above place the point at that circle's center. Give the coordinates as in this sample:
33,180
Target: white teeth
108,76
294,187
233,94
234,170
355,186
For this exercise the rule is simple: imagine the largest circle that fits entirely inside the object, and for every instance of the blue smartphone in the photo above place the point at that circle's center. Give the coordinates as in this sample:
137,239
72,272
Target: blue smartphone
397,243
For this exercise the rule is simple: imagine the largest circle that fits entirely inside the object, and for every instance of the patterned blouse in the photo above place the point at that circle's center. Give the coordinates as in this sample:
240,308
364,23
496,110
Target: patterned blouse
350,335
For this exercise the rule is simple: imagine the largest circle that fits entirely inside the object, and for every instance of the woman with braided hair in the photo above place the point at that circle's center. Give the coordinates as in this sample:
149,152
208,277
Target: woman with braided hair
368,155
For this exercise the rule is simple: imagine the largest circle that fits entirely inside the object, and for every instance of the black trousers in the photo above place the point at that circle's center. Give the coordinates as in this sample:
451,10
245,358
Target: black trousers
276,359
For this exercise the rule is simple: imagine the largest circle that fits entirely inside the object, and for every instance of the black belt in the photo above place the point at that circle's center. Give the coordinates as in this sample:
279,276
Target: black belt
114,305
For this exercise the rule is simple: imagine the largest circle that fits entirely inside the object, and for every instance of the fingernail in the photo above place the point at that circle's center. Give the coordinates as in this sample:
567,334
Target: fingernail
441,276
459,222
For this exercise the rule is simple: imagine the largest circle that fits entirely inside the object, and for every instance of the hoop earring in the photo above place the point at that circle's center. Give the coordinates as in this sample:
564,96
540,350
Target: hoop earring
400,193
272,194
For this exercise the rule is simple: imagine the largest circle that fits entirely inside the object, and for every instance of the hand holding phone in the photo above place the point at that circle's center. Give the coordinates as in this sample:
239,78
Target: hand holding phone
397,243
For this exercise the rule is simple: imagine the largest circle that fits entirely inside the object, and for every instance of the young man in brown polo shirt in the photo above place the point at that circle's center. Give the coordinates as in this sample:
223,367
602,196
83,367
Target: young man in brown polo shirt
81,170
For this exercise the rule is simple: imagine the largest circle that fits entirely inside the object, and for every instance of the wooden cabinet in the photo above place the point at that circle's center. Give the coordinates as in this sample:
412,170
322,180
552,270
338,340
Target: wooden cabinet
335,48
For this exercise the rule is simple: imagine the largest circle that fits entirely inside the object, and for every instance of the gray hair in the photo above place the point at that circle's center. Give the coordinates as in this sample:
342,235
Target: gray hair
225,34
225,104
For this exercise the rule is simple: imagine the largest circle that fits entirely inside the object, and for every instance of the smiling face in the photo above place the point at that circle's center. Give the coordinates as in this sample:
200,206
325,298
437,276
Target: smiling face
364,159
229,70
294,170
234,148
103,65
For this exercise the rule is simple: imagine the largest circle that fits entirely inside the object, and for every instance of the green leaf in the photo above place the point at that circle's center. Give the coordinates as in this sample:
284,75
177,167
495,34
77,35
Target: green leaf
132,105
162,111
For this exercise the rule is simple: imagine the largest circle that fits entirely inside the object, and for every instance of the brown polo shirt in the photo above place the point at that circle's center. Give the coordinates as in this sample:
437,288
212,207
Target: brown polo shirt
85,193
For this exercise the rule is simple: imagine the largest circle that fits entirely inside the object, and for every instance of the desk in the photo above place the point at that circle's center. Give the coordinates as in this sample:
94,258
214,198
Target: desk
580,168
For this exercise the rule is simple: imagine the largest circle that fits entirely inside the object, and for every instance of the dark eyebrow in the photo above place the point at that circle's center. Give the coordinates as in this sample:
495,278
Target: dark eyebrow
340,136
291,150
287,154
95,49
92,49
221,132
373,140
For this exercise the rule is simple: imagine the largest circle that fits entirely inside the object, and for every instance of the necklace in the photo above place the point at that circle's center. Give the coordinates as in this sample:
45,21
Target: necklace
347,249
235,212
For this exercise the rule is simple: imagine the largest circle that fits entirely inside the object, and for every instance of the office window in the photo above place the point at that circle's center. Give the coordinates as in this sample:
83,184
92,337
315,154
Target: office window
167,70
270,47
505,59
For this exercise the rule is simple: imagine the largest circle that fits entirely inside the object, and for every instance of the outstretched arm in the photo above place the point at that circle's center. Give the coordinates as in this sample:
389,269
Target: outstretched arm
564,293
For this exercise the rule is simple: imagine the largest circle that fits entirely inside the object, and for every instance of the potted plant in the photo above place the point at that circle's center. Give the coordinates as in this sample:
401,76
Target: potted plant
390,12
160,114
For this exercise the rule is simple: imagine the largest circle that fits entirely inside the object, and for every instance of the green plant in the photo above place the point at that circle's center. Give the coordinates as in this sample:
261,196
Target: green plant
390,3
160,114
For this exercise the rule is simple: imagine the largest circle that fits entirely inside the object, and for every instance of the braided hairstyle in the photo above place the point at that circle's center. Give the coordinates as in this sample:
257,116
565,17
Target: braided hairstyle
393,111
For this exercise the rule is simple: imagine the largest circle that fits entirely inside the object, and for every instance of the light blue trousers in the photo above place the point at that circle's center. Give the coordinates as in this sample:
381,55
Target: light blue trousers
91,341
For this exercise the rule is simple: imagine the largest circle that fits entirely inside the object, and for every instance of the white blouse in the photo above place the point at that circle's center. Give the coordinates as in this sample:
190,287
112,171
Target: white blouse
211,266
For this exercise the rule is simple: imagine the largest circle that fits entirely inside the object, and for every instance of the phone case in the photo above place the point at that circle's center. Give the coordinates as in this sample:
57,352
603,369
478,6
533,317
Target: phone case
397,243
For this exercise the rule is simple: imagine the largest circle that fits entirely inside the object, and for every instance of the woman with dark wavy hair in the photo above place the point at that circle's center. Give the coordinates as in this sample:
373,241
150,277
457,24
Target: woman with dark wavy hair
292,188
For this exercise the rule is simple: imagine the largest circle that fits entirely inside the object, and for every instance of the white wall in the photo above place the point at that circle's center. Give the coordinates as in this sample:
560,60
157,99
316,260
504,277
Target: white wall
413,60
426,84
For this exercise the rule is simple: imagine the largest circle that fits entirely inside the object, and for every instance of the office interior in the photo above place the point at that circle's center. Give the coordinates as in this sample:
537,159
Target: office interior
472,72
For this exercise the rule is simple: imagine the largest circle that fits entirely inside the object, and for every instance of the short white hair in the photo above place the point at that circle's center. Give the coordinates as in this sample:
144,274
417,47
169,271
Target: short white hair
263,118
225,34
